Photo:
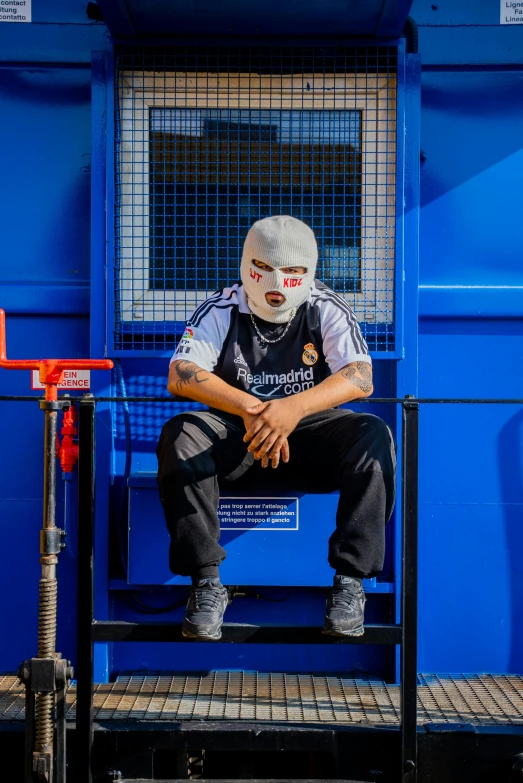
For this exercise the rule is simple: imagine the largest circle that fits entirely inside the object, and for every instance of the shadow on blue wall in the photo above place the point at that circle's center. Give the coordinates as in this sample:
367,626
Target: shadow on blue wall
510,465
471,122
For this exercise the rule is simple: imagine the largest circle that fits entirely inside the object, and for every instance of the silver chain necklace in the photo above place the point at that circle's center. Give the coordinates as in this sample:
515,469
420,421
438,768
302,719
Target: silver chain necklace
265,339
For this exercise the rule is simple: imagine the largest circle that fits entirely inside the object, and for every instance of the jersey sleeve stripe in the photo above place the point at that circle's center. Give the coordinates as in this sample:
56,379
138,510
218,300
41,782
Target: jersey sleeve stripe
216,306
208,305
357,337
214,298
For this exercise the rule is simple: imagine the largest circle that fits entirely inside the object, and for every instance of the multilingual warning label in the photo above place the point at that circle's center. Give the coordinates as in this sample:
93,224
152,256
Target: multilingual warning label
15,10
510,12
73,379
258,513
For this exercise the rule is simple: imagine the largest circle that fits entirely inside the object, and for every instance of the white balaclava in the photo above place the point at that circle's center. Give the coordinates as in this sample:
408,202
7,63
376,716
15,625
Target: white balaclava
280,241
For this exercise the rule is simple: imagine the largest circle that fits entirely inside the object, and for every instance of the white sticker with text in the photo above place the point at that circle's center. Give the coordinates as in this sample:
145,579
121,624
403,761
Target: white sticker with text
15,10
510,12
265,513
73,379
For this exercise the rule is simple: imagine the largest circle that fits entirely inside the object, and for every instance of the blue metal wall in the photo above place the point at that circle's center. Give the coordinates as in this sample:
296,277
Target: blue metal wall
45,143
470,329
470,338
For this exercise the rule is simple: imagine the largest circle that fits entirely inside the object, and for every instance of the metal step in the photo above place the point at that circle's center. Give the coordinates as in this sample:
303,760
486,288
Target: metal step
117,631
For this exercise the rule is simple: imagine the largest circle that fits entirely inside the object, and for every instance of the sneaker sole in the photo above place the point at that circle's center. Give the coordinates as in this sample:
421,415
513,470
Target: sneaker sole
338,632
201,637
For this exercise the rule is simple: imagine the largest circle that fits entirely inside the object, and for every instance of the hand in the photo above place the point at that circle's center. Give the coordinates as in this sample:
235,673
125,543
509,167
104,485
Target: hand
268,434
249,415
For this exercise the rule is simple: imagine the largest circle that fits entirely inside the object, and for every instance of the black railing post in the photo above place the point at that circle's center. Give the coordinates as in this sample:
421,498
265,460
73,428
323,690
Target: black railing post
85,647
409,592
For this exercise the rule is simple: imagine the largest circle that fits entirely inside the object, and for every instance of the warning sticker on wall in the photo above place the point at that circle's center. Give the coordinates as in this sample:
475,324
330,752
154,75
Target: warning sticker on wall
73,379
510,12
258,513
15,10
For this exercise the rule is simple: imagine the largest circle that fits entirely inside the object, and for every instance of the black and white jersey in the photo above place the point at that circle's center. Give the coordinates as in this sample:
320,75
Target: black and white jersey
322,338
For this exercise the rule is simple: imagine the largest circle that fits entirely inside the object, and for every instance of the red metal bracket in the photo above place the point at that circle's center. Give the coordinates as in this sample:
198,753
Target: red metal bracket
51,370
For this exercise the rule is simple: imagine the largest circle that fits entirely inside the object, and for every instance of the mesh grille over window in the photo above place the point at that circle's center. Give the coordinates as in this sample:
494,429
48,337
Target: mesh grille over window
210,140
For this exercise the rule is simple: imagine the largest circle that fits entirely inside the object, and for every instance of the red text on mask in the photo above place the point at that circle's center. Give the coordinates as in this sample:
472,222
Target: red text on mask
255,275
292,282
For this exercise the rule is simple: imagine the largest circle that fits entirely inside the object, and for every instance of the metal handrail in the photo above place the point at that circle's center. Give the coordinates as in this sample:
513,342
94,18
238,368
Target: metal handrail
90,630
381,400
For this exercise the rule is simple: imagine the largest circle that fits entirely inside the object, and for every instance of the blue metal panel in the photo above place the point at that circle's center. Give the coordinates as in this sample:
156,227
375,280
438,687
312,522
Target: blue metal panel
471,186
45,132
49,43
471,496
44,271
471,275
461,47
470,493
289,550
134,18
59,32
463,33
469,301
45,298
407,253
363,660
292,555
449,13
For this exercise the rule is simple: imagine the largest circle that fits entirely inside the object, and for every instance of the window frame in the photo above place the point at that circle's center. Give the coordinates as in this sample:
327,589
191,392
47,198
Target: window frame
374,95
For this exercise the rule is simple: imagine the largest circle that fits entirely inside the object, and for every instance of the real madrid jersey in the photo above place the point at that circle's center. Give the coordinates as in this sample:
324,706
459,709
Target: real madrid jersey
323,337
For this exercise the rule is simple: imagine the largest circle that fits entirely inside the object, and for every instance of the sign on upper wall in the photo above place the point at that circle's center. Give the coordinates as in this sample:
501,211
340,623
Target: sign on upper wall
510,12
15,10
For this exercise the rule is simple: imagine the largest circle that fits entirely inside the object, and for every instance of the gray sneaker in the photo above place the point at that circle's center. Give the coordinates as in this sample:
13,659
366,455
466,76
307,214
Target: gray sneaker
345,605
205,608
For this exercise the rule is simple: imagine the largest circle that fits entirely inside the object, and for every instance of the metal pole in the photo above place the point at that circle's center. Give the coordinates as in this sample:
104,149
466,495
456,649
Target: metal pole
85,648
409,602
64,672
47,603
29,733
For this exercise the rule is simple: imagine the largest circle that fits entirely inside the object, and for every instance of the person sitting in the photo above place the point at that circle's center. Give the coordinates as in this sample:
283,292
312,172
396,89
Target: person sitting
273,356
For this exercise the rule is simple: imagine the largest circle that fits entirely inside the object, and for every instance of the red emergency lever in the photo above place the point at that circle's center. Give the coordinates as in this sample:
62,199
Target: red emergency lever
67,450
51,370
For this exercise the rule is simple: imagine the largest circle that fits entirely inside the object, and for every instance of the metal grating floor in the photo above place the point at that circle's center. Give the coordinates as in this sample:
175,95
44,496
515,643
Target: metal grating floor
300,698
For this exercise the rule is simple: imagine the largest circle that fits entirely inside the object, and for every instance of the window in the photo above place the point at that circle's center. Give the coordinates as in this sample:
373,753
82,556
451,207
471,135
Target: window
213,172
202,155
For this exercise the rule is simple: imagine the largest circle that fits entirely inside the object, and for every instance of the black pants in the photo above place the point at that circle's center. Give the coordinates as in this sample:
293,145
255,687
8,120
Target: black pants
202,452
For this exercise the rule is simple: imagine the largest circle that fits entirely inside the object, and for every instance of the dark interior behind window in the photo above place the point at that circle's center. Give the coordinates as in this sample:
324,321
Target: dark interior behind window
213,172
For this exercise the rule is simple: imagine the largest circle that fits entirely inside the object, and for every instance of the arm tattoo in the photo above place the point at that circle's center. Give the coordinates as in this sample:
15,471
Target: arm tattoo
186,371
363,378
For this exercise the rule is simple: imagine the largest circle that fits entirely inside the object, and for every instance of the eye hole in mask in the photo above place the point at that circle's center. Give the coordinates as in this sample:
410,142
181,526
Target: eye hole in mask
261,265
294,270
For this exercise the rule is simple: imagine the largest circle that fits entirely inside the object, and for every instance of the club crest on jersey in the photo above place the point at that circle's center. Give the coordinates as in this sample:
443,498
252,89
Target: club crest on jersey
309,355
